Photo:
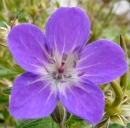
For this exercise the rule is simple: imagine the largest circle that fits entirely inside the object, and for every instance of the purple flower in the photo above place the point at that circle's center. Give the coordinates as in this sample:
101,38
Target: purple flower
60,67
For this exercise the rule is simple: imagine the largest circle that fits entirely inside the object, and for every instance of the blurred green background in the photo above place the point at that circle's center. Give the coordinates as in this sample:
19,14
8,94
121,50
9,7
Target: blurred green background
109,19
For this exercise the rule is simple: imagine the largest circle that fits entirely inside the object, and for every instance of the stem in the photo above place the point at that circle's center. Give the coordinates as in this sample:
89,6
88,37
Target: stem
4,6
124,81
124,78
100,124
13,23
64,116
62,126
113,108
118,94
123,45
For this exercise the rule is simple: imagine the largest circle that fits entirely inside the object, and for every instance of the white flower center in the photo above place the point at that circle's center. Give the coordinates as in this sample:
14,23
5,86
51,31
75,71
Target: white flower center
61,70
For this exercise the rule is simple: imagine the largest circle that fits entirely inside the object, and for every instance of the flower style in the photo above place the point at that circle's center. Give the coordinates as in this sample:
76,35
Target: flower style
60,67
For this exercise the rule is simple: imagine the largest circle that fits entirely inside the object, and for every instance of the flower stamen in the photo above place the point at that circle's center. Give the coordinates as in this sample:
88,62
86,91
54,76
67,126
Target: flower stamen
51,61
74,64
56,76
64,56
81,73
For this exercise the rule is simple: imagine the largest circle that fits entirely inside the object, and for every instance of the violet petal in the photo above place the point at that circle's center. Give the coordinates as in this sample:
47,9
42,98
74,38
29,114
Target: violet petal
31,97
26,43
85,100
67,28
102,61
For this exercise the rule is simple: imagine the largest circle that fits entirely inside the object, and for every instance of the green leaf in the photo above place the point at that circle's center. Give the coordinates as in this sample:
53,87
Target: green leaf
7,90
115,126
18,69
6,72
76,122
4,99
118,126
40,123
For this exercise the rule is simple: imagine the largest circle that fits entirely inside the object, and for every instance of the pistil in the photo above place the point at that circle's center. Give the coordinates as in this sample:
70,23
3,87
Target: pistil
61,69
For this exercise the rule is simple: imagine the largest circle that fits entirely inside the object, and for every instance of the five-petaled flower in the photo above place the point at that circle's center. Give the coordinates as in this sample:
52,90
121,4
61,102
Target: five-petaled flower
60,67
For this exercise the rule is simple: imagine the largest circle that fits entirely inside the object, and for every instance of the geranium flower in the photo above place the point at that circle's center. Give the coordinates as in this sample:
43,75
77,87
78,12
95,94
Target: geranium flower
60,67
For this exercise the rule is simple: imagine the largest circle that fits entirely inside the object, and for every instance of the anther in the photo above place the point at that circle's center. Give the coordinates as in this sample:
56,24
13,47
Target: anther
81,73
62,81
46,69
77,57
46,47
52,52
69,76
51,61
55,77
74,64
64,56
62,63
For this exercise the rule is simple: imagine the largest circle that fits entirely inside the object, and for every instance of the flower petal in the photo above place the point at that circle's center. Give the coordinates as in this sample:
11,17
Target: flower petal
67,28
85,100
32,97
26,43
102,61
